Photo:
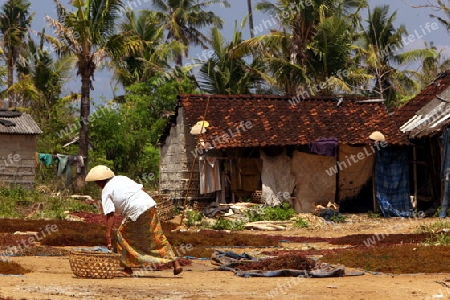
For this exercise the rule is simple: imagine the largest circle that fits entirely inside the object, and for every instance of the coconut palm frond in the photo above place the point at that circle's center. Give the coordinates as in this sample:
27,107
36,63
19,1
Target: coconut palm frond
415,55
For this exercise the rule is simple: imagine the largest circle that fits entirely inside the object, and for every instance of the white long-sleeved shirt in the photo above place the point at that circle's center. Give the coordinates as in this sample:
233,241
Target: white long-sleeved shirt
124,196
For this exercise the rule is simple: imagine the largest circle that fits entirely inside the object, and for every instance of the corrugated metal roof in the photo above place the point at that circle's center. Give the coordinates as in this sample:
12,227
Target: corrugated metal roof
24,125
409,109
431,119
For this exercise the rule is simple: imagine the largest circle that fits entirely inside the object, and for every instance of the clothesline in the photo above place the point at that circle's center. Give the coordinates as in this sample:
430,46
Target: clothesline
63,163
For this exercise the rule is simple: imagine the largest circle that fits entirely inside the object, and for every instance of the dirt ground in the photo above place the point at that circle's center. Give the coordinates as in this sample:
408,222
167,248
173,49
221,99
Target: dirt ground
52,278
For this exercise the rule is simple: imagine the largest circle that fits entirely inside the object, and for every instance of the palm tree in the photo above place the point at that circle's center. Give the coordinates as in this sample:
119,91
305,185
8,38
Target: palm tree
224,74
301,21
3,77
183,19
152,53
88,33
304,46
41,78
250,18
15,20
380,51
432,66
439,6
446,10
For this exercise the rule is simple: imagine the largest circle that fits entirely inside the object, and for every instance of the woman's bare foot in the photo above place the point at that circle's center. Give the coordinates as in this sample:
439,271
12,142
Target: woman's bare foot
177,269
126,272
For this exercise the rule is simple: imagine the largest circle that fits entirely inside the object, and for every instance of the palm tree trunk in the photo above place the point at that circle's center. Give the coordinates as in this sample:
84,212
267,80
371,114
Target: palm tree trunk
10,80
250,18
179,60
84,116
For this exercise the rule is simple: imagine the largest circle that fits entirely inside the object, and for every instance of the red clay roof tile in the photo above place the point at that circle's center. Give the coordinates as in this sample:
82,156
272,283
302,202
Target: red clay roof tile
267,120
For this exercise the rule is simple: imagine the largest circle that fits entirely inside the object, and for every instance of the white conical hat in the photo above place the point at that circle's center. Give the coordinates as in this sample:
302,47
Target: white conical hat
99,172
377,136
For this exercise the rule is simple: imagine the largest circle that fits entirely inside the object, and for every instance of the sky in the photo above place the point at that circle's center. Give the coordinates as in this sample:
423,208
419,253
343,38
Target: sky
415,20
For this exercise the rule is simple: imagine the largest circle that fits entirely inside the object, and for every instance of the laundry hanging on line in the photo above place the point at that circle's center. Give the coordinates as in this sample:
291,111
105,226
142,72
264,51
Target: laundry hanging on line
63,163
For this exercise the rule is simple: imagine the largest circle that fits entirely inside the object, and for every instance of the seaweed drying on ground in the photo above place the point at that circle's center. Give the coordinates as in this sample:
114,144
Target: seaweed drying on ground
394,259
357,239
75,237
282,262
13,225
379,239
33,251
12,268
203,242
75,233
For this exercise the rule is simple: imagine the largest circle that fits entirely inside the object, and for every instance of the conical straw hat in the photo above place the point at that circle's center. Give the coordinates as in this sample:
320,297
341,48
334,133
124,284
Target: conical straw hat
99,172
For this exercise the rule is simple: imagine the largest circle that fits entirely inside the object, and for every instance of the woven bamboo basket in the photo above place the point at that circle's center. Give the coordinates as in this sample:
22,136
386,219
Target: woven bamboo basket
87,264
256,196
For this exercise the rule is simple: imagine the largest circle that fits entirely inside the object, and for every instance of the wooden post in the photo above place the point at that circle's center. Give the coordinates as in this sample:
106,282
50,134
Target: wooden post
374,190
336,190
415,175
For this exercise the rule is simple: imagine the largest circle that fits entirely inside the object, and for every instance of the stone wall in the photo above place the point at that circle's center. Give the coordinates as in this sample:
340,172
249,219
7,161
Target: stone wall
17,160
177,158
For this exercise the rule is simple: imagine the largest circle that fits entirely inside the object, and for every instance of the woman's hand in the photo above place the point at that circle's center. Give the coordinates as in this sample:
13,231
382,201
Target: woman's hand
109,226
108,242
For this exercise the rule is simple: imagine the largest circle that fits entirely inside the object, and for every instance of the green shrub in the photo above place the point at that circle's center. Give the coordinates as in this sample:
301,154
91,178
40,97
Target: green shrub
338,218
224,224
278,213
373,215
438,211
300,223
440,232
18,203
192,217
176,211
442,238
54,208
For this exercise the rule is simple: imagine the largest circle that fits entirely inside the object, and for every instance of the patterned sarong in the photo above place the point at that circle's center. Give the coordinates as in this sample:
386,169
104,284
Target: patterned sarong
142,243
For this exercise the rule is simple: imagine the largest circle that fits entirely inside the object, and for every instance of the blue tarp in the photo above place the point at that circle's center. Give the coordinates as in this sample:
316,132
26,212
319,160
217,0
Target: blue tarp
445,172
99,249
392,182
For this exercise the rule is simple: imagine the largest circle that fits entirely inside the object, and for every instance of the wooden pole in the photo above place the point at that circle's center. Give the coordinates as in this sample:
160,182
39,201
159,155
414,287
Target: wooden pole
374,189
415,175
336,189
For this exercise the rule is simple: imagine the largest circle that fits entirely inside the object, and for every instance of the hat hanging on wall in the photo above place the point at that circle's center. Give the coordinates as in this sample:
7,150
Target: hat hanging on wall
199,127
376,136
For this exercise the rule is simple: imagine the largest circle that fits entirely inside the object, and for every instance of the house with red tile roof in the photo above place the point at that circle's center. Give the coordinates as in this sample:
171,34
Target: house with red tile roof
306,151
424,119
